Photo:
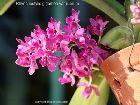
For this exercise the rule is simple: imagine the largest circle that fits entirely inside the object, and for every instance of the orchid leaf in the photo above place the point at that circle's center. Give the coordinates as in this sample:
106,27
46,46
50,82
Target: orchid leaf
116,6
4,5
109,10
137,33
101,83
117,38
127,8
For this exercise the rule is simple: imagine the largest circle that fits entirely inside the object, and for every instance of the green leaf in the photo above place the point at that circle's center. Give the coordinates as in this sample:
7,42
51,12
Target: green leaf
127,8
118,38
101,83
137,33
109,10
4,5
116,6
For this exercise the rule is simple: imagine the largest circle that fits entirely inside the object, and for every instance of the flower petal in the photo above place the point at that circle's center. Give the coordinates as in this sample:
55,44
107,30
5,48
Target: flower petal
87,92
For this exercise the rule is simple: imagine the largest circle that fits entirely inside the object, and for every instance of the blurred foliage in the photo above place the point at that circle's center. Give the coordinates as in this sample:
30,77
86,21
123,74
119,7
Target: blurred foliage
109,8
4,5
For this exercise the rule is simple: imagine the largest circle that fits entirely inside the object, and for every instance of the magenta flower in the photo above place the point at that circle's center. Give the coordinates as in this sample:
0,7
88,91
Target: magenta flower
80,53
75,15
81,68
26,54
88,89
135,9
73,33
36,47
67,79
72,23
73,66
66,66
53,28
65,47
50,62
54,35
102,53
97,26
33,67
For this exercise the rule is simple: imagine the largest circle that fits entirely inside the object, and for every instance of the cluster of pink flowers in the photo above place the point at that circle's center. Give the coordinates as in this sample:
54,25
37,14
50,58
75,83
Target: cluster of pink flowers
97,26
135,9
80,53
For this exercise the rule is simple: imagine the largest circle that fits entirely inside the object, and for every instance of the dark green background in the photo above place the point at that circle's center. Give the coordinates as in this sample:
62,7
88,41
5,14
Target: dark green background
16,86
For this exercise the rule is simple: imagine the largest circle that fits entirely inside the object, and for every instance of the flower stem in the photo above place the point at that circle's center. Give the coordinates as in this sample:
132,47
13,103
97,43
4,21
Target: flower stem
133,39
99,40
90,80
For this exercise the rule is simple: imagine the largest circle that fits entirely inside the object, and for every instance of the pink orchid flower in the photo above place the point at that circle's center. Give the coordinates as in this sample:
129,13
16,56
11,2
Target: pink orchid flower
135,9
80,53
97,25
88,89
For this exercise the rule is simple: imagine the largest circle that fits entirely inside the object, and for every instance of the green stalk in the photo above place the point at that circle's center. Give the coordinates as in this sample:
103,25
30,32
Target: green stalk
4,5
